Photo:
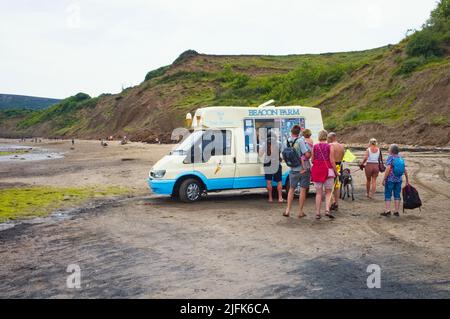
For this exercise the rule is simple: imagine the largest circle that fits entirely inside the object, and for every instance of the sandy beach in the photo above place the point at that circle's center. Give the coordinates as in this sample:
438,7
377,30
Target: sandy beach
231,244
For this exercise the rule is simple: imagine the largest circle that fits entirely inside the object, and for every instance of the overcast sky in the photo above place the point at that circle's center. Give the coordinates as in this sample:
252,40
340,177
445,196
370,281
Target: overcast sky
61,47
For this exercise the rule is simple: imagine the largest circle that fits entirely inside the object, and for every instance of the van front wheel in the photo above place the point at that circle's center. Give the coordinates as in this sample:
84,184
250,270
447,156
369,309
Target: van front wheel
190,190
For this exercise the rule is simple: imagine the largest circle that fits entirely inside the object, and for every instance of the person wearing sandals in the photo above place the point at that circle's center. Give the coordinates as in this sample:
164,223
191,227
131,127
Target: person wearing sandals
392,182
338,151
323,173
298,175
370,163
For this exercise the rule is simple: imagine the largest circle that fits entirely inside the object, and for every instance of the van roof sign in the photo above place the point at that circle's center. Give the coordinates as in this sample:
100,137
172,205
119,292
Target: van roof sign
274,112
233,116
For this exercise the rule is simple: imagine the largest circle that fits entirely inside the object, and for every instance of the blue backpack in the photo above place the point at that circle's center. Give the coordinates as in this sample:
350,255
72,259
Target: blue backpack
290,155
398,167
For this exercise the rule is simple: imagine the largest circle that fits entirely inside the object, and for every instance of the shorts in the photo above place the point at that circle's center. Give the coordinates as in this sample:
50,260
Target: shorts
329,184
392,187
337,181
274,177
295,179
372,170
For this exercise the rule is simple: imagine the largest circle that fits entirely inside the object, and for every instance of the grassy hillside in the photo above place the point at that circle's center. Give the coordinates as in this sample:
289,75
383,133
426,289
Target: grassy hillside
11,101
396,93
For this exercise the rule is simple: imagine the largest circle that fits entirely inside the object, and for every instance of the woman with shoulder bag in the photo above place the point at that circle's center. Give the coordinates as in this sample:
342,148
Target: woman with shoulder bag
323,173
373,162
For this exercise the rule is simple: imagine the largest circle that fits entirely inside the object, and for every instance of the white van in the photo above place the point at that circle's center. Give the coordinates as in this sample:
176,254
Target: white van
237,164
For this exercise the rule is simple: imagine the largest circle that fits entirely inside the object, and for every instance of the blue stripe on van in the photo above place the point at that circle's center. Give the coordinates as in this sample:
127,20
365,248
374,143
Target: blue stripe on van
165,186
161,186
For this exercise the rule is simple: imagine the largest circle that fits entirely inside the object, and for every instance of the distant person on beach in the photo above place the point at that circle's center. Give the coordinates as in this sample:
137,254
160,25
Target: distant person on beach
323,173
371,164
392,182
338,151
298,175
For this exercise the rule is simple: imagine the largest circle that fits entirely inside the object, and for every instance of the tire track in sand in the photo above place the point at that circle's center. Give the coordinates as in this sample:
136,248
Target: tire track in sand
433,191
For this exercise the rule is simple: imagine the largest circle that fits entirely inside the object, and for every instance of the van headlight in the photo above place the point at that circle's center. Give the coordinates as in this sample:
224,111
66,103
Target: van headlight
158,173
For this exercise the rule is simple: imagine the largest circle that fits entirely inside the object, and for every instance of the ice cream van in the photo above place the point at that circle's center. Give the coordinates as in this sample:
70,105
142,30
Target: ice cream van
233,162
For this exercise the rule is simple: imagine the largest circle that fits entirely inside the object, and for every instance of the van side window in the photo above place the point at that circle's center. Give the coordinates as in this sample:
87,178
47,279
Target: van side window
215,143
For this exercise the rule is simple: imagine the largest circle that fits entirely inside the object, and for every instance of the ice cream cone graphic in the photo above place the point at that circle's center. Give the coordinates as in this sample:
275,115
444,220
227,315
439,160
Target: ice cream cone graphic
218,168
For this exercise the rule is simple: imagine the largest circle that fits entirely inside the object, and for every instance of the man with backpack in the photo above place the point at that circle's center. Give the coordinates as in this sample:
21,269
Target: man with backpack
298,175
395,169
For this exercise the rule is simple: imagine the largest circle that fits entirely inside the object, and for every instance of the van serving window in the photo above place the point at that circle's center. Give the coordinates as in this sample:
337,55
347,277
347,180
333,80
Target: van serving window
283,126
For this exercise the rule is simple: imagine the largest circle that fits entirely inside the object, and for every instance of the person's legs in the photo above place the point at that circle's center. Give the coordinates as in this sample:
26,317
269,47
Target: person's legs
269,190
397,199
328,195
397,205
293,181
290,199
336,190
278,179
335,198
301,201
374,186
388,188
329,186
304,181
280,192
319,191
368,181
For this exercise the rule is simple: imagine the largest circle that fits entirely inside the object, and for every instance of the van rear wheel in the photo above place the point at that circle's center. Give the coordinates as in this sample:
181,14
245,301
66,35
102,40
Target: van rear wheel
190,190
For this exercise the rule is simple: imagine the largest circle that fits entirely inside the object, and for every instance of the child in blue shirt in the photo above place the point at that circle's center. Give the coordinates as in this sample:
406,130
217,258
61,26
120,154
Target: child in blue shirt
393,180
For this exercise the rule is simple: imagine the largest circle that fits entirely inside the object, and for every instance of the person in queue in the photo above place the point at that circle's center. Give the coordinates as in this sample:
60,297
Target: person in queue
323,173
270,150
298,175
338,151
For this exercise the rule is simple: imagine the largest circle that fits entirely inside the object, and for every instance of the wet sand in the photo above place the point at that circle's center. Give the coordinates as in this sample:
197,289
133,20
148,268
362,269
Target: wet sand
232,244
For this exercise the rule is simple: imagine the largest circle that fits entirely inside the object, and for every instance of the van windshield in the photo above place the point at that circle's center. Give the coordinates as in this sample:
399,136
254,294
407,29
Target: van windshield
185,146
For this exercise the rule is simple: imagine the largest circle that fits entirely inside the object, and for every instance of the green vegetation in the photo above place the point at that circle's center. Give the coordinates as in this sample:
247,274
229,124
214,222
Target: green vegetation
156,73
15,152
20,203
429,44
63,114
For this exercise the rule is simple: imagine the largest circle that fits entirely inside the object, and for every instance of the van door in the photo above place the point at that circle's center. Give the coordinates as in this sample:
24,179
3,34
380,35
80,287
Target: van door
217,159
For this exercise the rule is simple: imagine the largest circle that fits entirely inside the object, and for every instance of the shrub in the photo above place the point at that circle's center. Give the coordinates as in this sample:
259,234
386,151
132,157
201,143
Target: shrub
410,65
81,96
351,115
155,73
185,56
240,81
331,124
425,43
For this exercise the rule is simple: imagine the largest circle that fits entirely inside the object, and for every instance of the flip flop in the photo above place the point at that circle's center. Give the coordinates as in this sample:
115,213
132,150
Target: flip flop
318,217
286,215
302,216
